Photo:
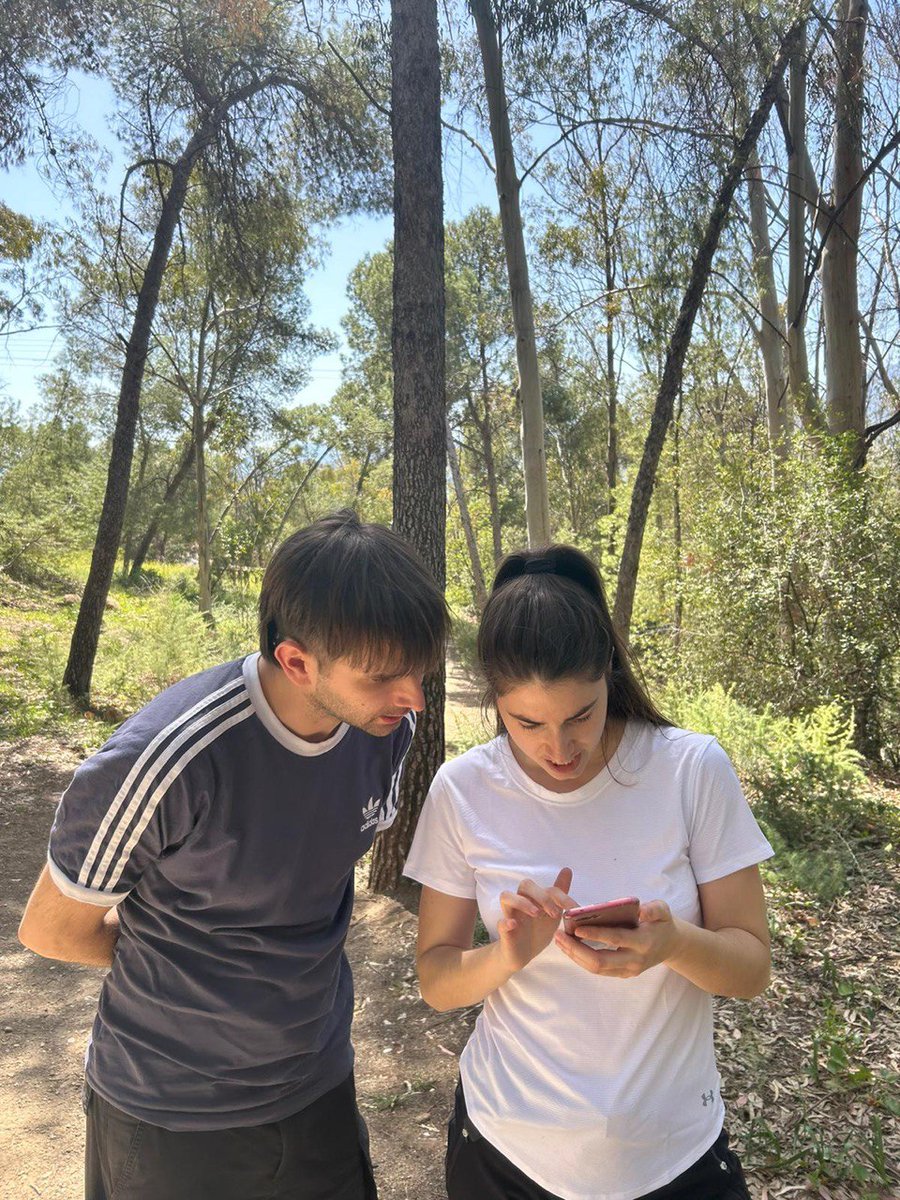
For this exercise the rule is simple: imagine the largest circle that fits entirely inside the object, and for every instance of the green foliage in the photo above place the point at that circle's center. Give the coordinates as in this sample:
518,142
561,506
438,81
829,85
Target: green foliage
805,778
787,588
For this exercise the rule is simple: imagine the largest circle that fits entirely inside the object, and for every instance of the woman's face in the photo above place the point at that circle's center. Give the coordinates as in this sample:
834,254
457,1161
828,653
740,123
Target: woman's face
556,729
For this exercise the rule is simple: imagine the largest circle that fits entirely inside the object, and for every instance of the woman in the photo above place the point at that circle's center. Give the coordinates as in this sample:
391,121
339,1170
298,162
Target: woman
590,1074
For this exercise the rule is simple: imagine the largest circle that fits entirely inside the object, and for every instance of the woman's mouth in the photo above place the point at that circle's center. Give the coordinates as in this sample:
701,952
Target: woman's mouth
564,768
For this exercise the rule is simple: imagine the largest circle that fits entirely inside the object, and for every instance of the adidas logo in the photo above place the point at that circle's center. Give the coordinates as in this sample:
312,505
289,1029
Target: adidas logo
370,813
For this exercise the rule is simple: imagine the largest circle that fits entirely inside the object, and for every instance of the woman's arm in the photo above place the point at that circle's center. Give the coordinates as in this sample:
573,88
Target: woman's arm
728,956
731,954
451,973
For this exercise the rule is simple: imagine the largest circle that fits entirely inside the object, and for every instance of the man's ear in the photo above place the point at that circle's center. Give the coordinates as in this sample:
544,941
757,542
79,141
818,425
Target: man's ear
300,666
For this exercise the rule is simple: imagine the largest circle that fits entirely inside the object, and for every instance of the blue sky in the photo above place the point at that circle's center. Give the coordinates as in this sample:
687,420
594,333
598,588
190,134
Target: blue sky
26,356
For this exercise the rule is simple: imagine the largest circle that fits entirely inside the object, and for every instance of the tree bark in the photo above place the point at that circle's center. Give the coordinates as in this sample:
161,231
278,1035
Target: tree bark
485,430
417,345
771,337
679,342
840,292
802,207
537,511
465,518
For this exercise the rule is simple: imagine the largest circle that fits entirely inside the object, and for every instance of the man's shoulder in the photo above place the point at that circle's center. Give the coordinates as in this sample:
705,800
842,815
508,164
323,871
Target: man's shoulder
196,709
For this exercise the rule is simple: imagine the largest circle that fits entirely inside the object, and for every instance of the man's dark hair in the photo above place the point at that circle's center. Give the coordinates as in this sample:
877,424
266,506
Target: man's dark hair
348,590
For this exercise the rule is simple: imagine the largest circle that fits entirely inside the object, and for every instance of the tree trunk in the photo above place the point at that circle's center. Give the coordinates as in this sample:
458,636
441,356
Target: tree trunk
771,337
465,518
537,511
198,433
798,363
86,635
840,292
612,430
417,345
679,342
487,449
174,483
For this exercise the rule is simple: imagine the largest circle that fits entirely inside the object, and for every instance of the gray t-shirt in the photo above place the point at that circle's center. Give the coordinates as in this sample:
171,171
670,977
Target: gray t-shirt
229,845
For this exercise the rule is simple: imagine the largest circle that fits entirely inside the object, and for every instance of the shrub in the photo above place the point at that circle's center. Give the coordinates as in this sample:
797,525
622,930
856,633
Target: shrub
803,776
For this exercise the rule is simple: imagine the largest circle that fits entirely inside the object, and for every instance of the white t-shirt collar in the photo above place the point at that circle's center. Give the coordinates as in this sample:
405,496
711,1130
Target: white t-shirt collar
281,733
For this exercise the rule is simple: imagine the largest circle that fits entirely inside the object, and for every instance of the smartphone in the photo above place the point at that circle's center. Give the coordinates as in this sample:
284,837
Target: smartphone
613,912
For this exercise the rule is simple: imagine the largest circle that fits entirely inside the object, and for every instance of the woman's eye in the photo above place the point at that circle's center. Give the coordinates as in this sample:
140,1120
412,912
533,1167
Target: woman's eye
579,720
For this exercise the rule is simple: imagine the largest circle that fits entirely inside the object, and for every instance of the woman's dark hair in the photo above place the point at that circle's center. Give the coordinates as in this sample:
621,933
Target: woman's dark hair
348,590
547,619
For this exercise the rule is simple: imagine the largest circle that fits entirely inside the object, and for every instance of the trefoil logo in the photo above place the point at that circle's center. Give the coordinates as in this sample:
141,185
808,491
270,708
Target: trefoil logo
370,813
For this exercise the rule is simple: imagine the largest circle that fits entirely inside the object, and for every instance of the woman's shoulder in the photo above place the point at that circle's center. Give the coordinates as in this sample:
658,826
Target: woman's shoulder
474,761
673,746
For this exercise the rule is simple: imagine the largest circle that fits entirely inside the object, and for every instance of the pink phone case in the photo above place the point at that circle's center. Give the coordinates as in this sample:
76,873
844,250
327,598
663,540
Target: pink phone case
613,912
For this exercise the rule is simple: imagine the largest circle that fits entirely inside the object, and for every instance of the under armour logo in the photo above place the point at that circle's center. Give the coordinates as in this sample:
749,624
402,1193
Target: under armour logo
707,1097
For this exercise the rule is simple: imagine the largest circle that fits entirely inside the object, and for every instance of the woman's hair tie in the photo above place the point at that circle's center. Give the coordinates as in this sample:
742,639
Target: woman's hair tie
539,566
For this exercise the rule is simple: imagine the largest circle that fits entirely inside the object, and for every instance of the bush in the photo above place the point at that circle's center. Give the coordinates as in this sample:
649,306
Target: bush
788,589
803,776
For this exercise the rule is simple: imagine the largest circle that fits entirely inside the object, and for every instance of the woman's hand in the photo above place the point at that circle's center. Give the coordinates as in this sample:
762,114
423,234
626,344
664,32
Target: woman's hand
631,951
530,918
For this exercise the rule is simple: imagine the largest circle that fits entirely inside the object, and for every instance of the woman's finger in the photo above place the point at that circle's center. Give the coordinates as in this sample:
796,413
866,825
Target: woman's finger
614,964
511,902
563,880
655,910
611,935
542,897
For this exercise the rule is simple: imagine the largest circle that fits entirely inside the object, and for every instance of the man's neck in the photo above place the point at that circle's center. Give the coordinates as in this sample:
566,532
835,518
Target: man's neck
291,707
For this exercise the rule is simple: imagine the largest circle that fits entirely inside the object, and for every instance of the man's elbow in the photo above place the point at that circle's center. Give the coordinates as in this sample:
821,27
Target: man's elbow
48,943
36,940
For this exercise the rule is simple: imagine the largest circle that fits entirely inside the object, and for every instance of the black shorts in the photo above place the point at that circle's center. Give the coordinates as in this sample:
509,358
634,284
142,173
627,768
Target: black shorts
320,1153
476,1170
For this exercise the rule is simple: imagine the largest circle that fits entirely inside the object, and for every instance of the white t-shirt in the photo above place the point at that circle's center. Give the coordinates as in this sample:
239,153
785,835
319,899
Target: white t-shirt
596,1088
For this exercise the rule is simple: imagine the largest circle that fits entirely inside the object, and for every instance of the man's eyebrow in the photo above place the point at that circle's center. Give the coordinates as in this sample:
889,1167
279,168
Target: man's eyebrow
574,717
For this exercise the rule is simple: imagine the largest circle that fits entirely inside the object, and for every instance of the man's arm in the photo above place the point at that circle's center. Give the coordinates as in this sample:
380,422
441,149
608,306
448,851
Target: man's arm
55,926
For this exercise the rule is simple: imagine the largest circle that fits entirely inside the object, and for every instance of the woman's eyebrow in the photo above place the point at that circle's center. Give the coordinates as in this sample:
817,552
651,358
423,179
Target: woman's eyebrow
574,717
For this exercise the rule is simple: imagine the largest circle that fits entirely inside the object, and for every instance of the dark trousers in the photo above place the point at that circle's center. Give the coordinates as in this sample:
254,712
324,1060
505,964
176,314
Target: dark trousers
476,1170
320,1153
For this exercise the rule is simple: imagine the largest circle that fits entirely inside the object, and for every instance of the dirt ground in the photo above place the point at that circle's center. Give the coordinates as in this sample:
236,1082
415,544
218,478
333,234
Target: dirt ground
406,1053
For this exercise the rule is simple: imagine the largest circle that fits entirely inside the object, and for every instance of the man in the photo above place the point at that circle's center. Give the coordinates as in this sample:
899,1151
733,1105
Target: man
206,853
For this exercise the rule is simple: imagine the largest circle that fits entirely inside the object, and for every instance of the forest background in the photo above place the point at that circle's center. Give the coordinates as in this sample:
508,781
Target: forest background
734,475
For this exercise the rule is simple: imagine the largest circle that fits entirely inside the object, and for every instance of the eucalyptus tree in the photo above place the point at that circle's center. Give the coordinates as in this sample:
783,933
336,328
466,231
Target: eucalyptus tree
242,91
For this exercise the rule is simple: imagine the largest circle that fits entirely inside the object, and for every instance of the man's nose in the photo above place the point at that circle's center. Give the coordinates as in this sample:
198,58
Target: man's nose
411,694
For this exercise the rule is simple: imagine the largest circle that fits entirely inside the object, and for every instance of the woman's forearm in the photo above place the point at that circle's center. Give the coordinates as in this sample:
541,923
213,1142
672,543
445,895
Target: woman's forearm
453,978
724,962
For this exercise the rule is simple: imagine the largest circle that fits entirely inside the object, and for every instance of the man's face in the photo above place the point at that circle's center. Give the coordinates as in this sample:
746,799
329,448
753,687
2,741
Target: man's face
373,701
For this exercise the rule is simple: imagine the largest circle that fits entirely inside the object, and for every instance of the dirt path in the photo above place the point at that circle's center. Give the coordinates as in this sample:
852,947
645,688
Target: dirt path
784,1076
